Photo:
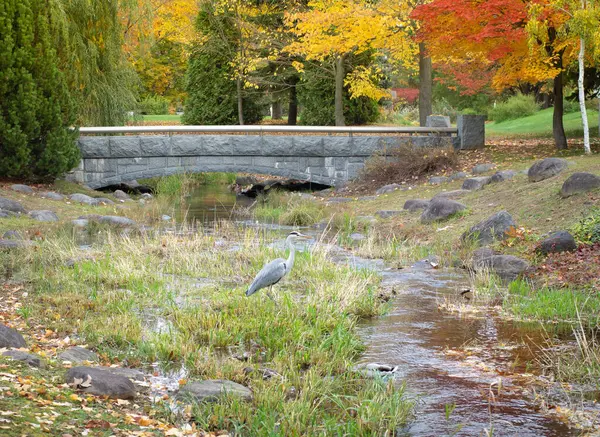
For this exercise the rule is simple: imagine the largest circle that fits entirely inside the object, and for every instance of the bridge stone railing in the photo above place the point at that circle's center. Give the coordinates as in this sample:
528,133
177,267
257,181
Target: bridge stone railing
110,159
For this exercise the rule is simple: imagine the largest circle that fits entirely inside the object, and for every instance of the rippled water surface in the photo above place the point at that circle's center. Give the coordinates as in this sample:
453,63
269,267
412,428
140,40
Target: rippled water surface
416,336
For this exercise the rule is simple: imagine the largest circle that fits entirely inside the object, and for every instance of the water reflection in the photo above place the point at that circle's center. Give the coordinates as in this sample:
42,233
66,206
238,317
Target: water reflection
210,203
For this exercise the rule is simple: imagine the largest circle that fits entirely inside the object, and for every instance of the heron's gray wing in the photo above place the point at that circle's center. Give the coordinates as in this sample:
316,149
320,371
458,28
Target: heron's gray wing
269,275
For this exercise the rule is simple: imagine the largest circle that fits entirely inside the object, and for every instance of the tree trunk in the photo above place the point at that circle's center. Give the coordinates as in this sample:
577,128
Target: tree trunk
293,106
425,85
277,110
239,101
546,101
339,92
586,128
558,130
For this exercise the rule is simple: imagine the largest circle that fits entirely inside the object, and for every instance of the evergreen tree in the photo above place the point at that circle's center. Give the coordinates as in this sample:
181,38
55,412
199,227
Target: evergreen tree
36,110
212,94
316,93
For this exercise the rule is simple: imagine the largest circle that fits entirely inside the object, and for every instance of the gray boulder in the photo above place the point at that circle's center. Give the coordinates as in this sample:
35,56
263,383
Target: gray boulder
479,256
458,175
357,236
147,196
43,216
416,204
12,235
560,241
52,195
214,389
454,194
11,205
15,244
80,223
101,382
482,168
388,188
104,201
134,375
367,198
384,214
580,183
22,188
11,338
441,209
5,214
83,198
78,355
501,176
478,183
546,168
121,195
116,220
437,180
507,267
492,229
30,359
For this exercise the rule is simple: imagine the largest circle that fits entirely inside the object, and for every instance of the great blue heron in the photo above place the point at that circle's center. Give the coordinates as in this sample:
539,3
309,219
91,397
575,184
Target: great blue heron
274,271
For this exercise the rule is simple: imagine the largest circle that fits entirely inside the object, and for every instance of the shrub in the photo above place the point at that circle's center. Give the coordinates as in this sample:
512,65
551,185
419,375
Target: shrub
587,231
515,107
36,109
154,105
406,163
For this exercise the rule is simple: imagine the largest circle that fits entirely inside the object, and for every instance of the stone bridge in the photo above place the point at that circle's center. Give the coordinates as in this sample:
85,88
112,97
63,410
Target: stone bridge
109,159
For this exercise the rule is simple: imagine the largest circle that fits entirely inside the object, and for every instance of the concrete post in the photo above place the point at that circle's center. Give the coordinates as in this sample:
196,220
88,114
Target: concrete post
471,131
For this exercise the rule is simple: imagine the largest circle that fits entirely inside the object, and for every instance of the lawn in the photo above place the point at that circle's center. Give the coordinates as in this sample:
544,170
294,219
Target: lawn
164,117
540,125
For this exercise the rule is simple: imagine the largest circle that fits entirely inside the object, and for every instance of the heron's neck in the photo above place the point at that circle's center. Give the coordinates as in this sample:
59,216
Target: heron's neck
290,261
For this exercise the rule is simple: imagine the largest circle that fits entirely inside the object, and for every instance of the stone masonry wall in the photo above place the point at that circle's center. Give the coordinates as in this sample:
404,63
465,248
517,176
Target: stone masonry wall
330,160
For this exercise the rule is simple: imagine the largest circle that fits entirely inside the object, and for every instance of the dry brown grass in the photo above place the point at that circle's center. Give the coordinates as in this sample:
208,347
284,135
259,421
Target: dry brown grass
406,164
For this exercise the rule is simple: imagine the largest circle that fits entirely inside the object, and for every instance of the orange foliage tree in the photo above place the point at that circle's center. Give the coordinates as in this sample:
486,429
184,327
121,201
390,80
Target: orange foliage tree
489,40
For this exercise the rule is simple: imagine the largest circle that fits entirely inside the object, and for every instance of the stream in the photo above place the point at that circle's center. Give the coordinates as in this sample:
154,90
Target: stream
465,373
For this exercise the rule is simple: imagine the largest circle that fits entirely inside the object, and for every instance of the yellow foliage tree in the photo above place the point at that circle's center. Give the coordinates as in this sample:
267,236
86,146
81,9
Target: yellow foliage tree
331,30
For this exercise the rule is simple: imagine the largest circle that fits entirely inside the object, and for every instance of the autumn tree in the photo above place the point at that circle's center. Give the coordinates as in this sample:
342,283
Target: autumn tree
157,38
329,32
490,38
576,24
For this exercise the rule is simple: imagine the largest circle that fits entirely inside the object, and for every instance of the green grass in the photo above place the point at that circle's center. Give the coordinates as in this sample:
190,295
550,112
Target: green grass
552,304
308,334
182,183
540,125
163,117
288,209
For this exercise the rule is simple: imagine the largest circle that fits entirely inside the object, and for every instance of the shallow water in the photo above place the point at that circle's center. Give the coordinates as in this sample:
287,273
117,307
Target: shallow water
423,341
210,203
471,363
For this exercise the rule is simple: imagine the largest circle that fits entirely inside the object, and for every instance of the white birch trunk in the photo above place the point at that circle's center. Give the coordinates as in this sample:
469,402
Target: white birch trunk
584,119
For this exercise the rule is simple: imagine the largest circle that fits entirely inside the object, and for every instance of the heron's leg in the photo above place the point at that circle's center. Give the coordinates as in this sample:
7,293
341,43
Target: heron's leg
270,293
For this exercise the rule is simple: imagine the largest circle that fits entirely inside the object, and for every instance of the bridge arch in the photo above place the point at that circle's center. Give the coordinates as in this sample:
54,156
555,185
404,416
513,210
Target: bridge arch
109,159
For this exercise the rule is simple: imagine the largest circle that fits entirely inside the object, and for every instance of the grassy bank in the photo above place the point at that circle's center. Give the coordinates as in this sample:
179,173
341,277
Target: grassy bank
115,294
540,125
